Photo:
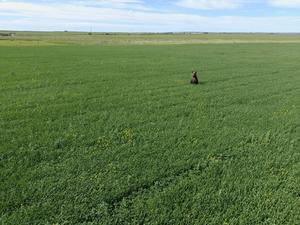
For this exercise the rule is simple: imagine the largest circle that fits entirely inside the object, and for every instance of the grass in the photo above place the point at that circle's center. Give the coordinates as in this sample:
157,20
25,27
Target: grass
117,135
79,38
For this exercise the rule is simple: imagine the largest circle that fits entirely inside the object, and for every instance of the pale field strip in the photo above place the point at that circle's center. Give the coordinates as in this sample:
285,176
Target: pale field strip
60,38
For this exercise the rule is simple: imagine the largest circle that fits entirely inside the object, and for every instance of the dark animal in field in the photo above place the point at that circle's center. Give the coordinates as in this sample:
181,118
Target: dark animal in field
194,78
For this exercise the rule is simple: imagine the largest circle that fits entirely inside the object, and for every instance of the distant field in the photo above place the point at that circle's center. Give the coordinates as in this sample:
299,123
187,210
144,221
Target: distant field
50,38
109,133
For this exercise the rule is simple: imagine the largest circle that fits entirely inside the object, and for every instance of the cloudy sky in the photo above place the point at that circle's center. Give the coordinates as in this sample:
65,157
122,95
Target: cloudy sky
151,15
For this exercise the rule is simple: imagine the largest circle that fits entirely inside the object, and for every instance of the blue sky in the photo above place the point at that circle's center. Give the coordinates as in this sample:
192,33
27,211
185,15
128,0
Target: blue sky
151,15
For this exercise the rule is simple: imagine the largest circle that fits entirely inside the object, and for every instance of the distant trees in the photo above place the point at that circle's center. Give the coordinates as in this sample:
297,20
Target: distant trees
11,34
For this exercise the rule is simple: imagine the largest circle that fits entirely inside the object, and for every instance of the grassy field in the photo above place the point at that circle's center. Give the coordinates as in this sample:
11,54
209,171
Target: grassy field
96,134
80,38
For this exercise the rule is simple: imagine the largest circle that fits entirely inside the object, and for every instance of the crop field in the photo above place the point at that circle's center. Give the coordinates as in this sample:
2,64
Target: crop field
113,133
79,38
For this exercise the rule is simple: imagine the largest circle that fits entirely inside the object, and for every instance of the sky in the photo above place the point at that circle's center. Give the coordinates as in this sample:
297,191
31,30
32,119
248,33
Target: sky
151,15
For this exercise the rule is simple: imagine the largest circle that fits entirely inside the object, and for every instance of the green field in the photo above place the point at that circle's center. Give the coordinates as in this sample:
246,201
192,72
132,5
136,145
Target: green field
115,134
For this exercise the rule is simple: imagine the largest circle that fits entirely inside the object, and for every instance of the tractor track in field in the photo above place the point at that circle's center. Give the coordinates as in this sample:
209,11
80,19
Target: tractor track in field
165,181
162,183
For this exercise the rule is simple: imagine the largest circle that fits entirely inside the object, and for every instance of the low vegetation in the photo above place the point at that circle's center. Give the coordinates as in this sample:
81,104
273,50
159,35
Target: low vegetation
80,38
117,135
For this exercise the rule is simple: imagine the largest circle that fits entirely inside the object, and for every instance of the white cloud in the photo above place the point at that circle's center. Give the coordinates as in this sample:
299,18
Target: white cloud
120,1
130,4
209,4
285,3
70,16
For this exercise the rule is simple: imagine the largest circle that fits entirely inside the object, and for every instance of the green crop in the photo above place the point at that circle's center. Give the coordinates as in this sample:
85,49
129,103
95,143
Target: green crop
117,135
